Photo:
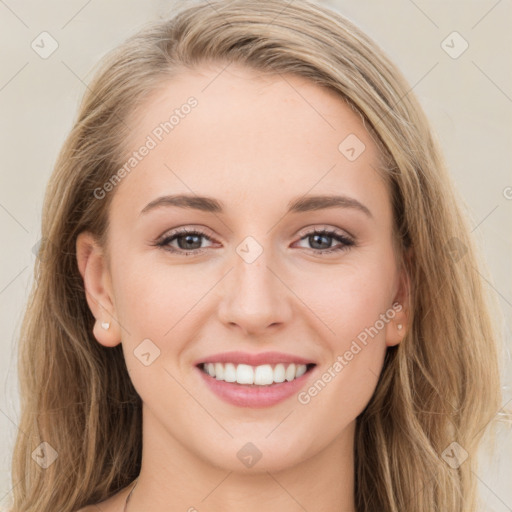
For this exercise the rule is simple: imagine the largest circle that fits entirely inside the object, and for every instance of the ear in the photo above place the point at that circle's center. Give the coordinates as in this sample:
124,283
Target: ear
93,267
398,326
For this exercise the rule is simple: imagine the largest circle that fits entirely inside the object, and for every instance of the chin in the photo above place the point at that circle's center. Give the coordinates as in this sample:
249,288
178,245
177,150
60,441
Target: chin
258,456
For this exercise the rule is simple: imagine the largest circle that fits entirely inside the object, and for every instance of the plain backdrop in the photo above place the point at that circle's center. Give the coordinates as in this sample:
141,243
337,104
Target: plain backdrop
455,54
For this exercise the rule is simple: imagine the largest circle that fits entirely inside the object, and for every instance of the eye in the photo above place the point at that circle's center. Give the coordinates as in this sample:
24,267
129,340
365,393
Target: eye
319,240
188,241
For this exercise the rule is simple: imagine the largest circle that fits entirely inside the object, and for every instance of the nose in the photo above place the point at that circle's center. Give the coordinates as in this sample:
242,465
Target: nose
254,297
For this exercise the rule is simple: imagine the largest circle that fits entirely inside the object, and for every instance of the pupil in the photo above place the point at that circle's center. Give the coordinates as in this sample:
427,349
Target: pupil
188,241
316,237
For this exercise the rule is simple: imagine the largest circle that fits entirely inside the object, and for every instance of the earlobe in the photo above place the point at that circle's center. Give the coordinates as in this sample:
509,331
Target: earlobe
398,326
98,291
396,330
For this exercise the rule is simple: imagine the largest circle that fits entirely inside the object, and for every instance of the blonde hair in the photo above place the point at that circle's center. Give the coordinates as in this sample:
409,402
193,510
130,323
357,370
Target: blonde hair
439,385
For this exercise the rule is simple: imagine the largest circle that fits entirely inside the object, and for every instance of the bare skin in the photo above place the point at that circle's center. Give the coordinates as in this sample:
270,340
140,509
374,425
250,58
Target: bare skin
254,143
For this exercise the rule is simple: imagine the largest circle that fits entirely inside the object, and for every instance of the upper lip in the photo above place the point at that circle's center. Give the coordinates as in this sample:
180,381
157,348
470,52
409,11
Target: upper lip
253,359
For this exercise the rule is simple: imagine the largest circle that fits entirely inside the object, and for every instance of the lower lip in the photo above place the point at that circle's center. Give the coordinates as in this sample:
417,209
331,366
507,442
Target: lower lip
243,395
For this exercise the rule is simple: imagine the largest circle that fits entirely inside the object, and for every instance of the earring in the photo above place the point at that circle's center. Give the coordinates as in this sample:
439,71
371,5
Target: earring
105,325
399,326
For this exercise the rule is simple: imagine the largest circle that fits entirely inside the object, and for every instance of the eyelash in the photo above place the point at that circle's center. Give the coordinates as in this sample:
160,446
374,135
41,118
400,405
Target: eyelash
164,242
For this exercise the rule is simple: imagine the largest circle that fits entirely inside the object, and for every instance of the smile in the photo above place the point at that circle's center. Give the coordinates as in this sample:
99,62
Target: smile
262,375
254,380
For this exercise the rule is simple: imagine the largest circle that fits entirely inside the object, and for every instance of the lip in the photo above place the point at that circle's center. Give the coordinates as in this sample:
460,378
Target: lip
253,396
254,359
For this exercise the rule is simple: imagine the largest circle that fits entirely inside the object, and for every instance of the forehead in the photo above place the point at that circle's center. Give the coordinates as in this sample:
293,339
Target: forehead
248,138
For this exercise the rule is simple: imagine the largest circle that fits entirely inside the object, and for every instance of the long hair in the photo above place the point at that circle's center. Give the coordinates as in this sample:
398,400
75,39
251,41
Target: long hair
439,386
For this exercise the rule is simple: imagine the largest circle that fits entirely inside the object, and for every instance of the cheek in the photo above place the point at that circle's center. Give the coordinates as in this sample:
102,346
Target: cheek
155,305
152,298
350,297
357,306
341,392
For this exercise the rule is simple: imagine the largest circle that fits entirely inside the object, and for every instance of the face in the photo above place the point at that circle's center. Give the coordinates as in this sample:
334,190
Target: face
259,279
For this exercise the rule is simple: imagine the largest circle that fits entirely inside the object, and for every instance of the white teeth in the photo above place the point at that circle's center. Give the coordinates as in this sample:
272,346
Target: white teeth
219,371
301,370
279,373
263,375
290,372
229,372
244,374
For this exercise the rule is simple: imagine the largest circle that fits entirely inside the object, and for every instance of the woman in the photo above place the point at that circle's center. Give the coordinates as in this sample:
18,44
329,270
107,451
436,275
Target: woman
325,346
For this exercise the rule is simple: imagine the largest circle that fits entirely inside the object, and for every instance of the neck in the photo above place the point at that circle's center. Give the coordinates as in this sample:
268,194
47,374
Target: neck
172,478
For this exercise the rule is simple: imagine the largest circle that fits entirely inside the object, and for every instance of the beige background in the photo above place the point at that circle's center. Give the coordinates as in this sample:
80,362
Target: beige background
468,99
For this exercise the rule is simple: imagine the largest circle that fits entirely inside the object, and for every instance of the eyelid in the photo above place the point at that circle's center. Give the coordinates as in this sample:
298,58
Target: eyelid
324,227
189,228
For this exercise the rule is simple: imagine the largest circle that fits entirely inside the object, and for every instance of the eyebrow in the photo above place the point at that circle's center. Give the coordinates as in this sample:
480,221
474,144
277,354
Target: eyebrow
298,205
